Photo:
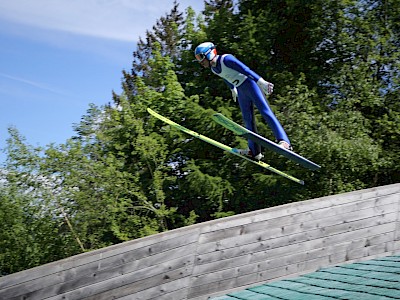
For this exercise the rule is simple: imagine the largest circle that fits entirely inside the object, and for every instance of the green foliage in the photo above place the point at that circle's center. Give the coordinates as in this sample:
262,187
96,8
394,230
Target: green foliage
29,234
32,231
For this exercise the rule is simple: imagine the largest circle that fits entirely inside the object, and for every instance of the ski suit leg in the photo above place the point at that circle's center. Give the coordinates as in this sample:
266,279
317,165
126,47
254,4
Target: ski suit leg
253,94
246,106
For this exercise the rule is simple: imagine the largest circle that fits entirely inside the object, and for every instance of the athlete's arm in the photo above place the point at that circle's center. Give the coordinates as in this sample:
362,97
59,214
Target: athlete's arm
232,62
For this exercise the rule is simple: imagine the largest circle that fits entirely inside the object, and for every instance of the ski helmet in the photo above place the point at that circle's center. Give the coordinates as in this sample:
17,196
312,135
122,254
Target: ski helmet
205,50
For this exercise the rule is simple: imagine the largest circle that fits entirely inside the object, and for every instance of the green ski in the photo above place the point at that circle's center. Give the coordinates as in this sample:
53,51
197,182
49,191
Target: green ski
262,141
222,146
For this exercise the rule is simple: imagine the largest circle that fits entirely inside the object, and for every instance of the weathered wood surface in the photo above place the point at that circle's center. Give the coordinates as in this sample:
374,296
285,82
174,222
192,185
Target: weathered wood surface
226,254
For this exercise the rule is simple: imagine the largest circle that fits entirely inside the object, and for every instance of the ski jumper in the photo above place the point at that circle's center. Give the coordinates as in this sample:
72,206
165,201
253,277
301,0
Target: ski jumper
236,74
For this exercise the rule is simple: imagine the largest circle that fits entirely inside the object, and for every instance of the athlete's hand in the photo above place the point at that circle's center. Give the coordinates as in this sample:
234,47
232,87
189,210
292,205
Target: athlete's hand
266,87
234,94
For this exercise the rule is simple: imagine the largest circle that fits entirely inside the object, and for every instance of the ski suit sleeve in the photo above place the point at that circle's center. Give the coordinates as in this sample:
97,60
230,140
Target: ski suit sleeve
232,62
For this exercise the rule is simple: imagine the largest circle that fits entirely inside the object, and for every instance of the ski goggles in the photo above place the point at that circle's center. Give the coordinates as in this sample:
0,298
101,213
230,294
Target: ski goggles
200,57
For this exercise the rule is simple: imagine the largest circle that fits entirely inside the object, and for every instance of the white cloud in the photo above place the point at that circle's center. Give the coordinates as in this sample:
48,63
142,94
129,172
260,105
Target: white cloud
31,83
123,20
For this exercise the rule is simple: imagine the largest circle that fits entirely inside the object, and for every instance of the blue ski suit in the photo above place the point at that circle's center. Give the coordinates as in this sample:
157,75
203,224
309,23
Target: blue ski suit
237,74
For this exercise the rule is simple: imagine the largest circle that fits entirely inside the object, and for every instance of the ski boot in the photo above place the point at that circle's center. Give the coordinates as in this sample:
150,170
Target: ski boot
285,145
247,152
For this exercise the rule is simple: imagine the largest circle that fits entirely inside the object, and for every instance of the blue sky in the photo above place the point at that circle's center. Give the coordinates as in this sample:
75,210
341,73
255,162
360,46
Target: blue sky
58,56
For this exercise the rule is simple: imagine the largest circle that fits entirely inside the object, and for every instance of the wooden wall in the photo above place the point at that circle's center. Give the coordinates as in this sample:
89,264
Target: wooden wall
220,256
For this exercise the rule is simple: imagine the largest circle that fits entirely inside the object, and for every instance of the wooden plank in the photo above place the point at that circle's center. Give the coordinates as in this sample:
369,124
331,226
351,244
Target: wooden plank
397,233
314,239
268,262
229,247
39,289
298,207
274,258
102,258
163,292
169,283
132,281
293,233
175,295
275,220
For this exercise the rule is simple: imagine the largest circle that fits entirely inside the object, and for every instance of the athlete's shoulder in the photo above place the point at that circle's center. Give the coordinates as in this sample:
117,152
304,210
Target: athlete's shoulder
228,57
230,60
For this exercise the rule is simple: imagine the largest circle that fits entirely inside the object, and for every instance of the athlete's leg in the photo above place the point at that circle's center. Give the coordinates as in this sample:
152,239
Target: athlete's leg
246,106
262,105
